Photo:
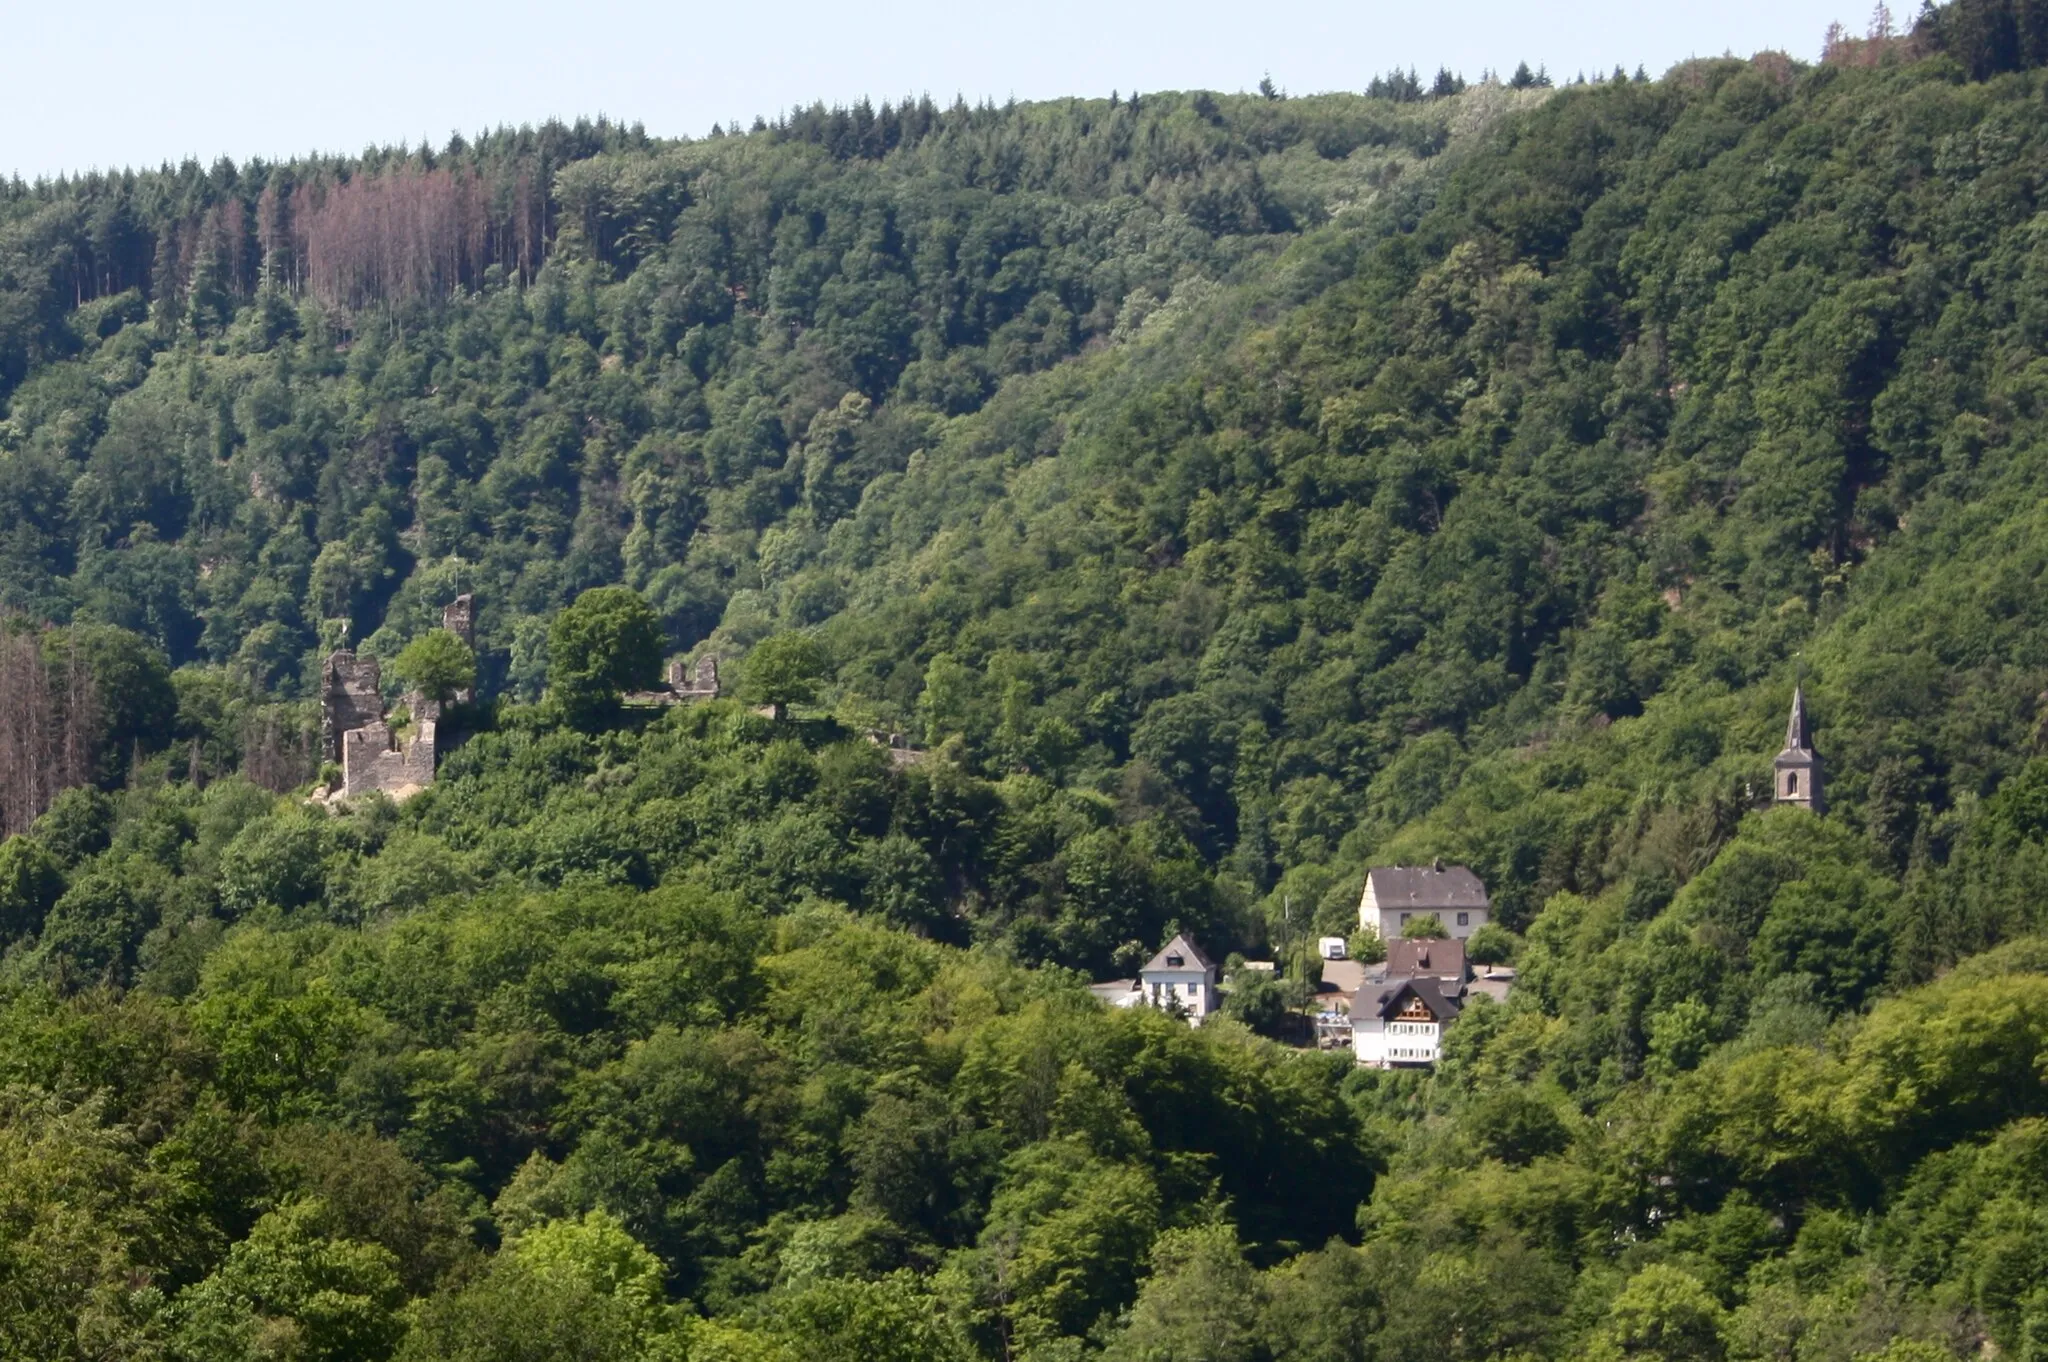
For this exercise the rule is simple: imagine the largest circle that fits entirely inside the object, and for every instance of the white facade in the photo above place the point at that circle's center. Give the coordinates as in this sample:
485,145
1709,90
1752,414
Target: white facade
1391,920
1180,978
1194,990
1387,1044
1402,1024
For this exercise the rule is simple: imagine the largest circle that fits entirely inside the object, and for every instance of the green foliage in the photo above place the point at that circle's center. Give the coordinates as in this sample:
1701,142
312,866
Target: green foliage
1988,36
93,929
79,823
890,1320
607,643
1662,1315
1258,999
783,671
1516,1126
30,882
1492,944
437,664
1199,1302
275,861
1230,492
294,1277
516,1312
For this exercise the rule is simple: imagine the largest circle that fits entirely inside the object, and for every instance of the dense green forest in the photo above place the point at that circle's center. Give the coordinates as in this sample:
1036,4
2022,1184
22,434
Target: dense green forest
1221,494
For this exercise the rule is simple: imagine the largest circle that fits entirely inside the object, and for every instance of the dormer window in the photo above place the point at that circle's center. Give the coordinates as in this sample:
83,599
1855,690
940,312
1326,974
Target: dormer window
1174,961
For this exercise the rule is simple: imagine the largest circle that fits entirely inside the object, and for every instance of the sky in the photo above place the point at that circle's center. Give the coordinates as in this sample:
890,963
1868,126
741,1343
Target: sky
136,84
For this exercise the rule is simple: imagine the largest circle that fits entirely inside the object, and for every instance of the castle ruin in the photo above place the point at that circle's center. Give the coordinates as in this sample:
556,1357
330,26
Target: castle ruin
685,684
350,696
698,684
356,732
459,619
372,760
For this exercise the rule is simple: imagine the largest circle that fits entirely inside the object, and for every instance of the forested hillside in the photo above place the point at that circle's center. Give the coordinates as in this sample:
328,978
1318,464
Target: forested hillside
1219,494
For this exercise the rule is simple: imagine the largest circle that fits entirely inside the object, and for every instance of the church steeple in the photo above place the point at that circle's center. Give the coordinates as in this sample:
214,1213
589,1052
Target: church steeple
1795,727
1798,766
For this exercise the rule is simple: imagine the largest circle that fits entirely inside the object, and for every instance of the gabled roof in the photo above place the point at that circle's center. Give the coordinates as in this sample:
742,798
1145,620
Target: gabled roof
1437,959
1113,990
1426,888
1189,954
1393,995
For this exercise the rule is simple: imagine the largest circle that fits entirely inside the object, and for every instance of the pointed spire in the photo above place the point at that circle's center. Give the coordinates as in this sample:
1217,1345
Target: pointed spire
1795,726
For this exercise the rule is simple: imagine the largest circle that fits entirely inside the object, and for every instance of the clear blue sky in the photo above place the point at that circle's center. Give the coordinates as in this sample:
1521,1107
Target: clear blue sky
121,82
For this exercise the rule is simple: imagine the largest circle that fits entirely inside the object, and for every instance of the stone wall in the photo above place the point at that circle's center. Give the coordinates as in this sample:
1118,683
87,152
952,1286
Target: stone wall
459,619
686,685
350,696
370,761
699,683
355,732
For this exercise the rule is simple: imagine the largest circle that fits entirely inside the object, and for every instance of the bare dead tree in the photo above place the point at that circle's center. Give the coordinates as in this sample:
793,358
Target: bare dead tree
48,727
410,232
277,749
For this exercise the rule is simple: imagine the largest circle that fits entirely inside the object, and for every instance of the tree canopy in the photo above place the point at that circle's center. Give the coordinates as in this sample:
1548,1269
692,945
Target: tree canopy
437,664
1219,494
607,642
784,670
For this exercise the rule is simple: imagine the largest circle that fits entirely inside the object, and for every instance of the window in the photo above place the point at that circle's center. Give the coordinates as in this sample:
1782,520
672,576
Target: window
1464,919
1791,782
1405,917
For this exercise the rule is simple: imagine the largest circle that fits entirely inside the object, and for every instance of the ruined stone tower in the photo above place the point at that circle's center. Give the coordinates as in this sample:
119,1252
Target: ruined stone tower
356,732
349,698
1798,766
459,619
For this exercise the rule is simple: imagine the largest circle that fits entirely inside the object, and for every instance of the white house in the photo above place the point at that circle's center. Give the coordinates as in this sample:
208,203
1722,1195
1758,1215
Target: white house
1396,895
1180,976
1401,1025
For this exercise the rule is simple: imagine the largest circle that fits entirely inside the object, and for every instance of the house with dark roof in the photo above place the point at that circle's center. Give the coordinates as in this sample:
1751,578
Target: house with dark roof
1428,958
1396,895
1180,978
1400,1023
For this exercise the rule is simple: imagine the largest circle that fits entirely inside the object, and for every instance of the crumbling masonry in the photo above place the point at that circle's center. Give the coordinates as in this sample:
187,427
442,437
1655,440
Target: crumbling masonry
702,684
349,698
370,760
356,732
685,684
